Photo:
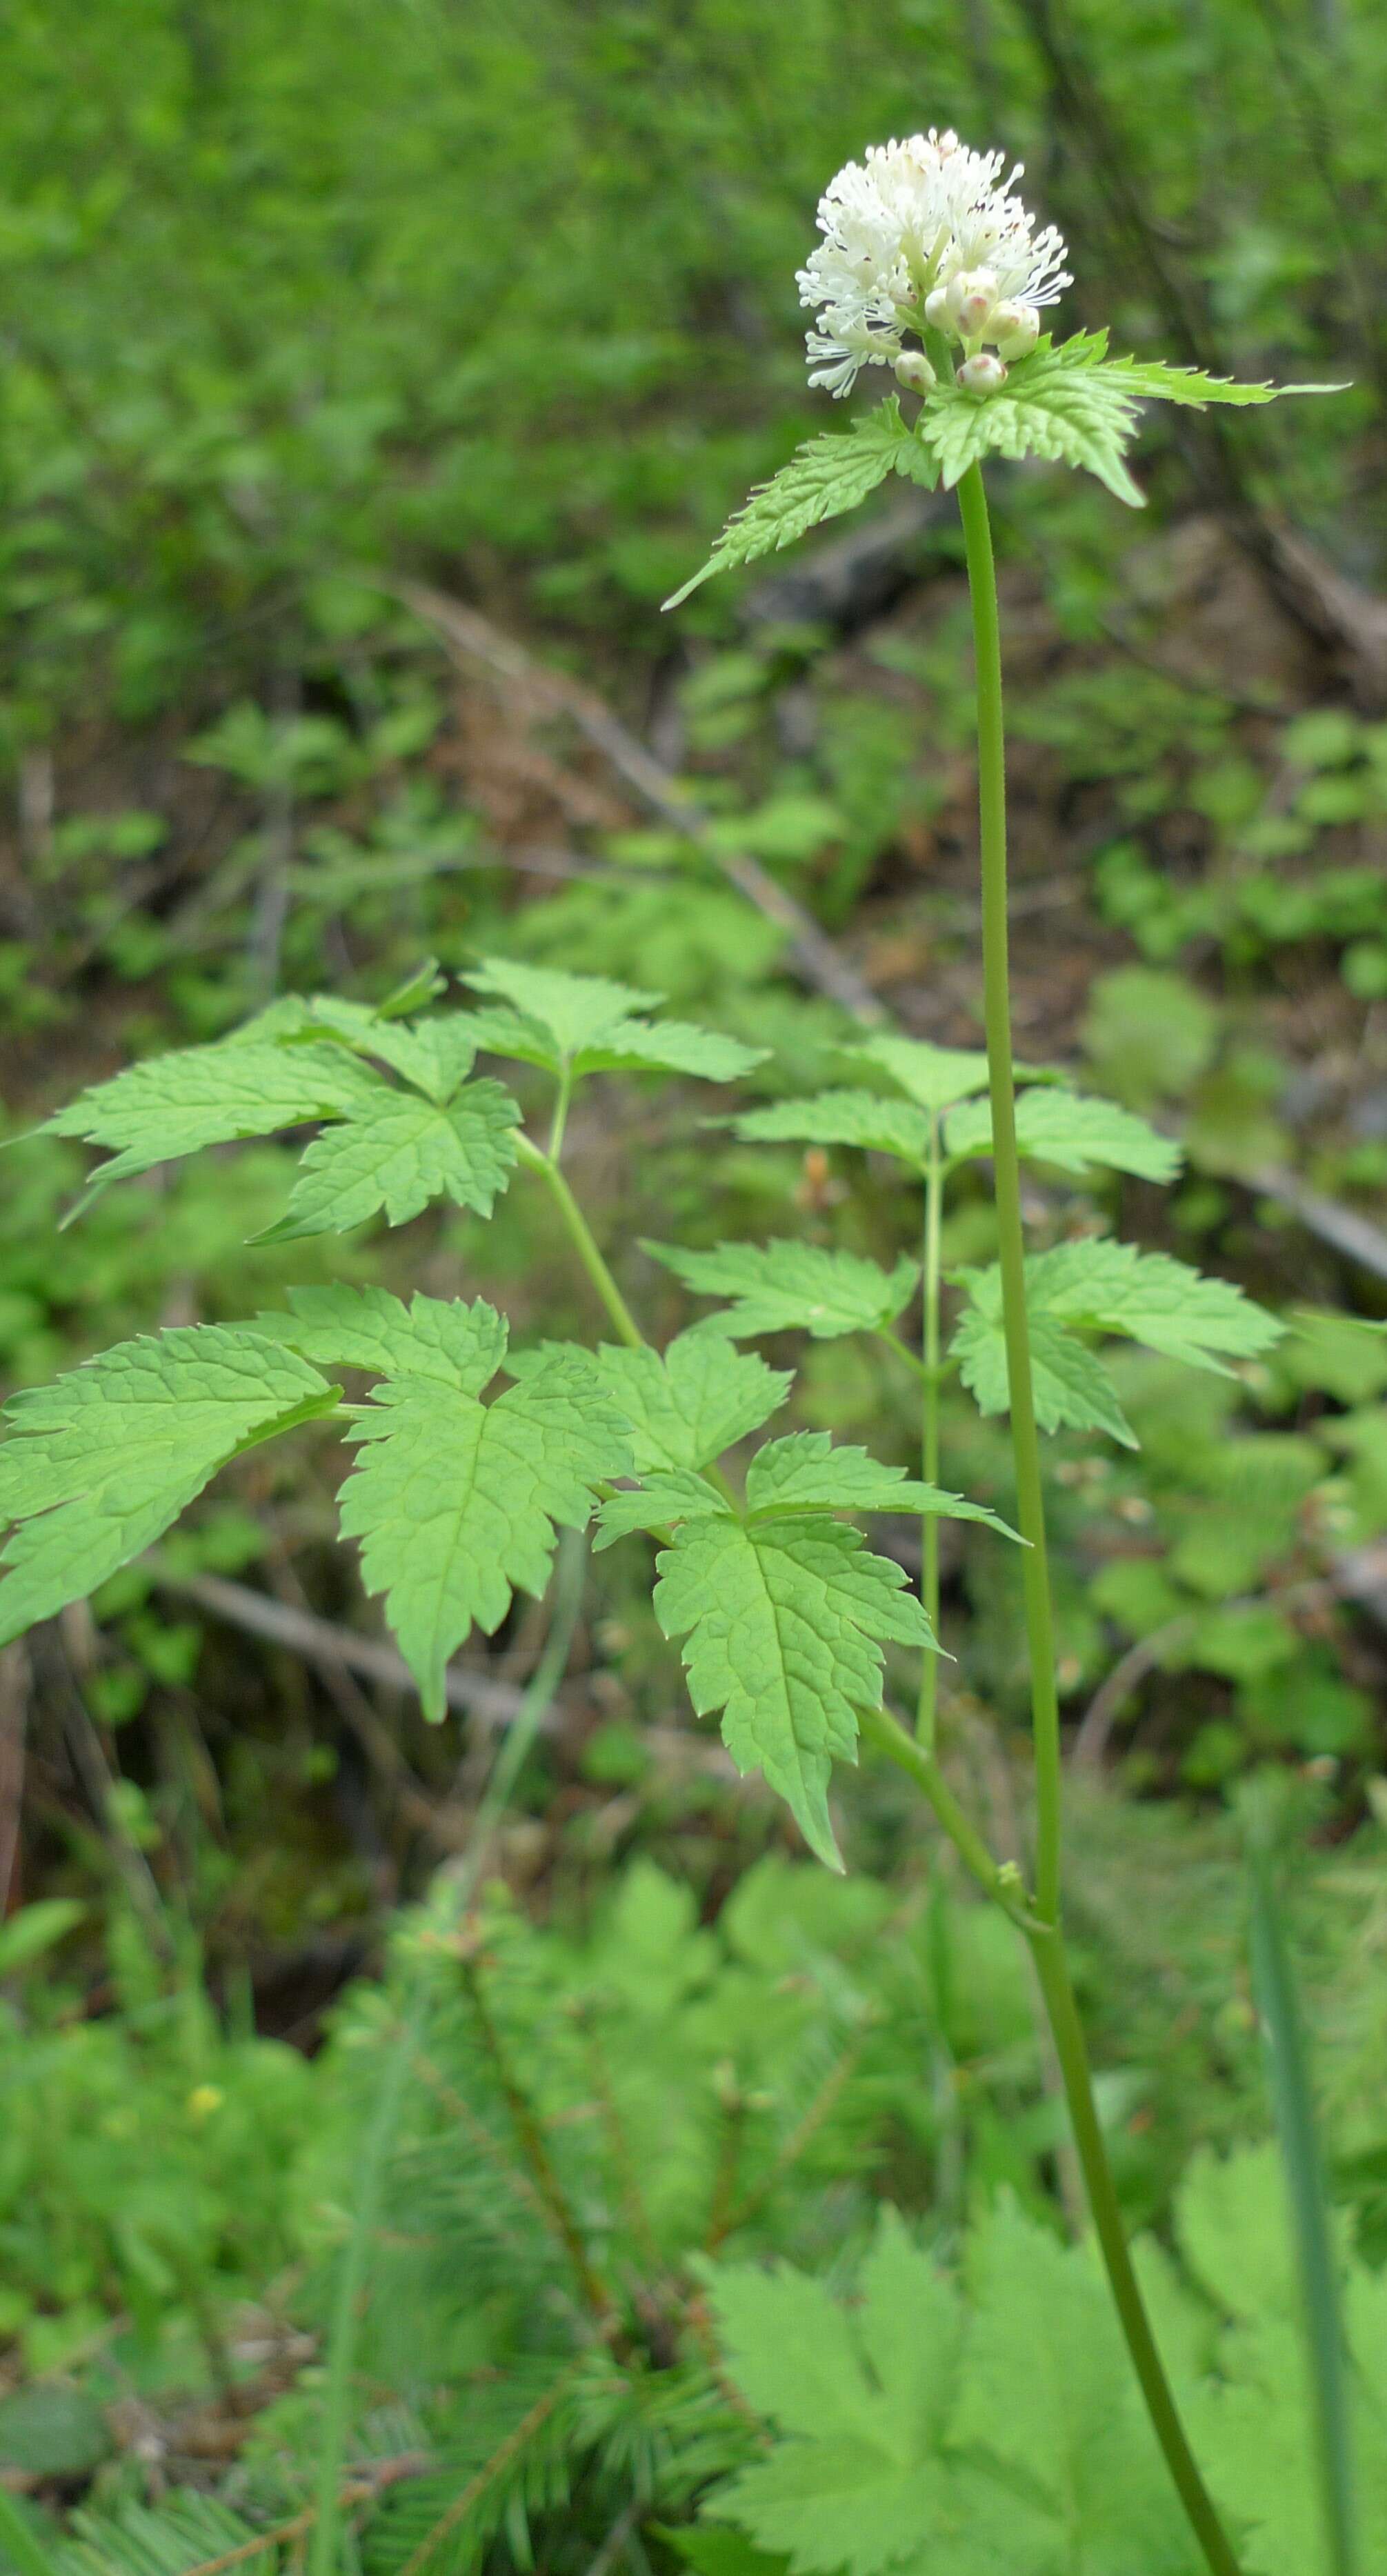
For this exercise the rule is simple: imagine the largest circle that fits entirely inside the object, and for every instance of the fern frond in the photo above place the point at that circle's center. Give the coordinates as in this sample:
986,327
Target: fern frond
185,2535
440,2524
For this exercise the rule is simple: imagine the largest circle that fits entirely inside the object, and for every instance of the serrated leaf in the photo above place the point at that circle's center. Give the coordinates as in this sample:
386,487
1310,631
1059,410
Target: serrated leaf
172,1105
1060,403
783,1286
456,1502
783,1621
1073,403
1151,380
396,1154
584,1024
366,1328
1073,1131
98,1465
1114,1288
932,1076
683,1410
665,1498
842,1118
1097,1285
1047,2392
1070,1388
670,1046
829,474
571,1009
810,1471
434,1058
863,2479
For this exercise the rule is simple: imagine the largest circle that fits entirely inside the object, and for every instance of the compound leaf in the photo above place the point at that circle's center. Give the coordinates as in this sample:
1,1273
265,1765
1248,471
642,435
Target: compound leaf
435,1057
1073,403
571,1010
98,1465
1071,1389
1099,1286
682,1411
397,1152
1074,1132
809,1471
864,2478
829,474
843,1118
783,1621
665,1498
784,1286
932,1076
585,1024
670,1046
1058,403
366,1328
173,1105
455,1502
1045,2394
1150,1297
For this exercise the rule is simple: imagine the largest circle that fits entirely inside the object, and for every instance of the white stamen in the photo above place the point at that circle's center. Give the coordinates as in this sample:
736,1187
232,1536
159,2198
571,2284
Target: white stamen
910,222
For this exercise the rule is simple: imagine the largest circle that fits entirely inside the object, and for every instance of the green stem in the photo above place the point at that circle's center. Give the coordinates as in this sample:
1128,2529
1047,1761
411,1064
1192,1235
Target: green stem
556,1132
902,1350
926,1722
581,1236
1052,1968
880,1728
1044,1934
992,817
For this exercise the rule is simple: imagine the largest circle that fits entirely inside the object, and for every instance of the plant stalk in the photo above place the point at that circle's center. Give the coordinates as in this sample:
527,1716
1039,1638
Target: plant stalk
1025,1443
581,1236
884,1731
926,1722
1044,1934
1052,1968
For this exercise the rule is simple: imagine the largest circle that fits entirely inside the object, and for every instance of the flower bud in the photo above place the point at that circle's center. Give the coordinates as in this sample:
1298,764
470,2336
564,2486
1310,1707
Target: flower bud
913,370
937,309
982,374
971,294
1015,328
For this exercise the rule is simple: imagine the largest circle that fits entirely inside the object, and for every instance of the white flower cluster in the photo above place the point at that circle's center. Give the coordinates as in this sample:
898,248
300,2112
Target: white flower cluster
926,236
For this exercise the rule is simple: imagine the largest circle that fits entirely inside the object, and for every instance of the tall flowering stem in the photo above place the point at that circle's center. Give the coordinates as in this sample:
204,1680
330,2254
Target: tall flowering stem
1043,1929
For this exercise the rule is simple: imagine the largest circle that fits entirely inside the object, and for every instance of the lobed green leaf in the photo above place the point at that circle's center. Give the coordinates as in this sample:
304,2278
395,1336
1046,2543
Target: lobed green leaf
1071,1389
810,1471
581,1024
1073,1131
860,1118
98,1465
932,1076
683,1410
829,474
457,1503
397,1153
783,1621
784,1286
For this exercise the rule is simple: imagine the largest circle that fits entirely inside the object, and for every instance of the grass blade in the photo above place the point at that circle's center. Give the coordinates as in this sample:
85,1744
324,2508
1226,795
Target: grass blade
1292,2102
